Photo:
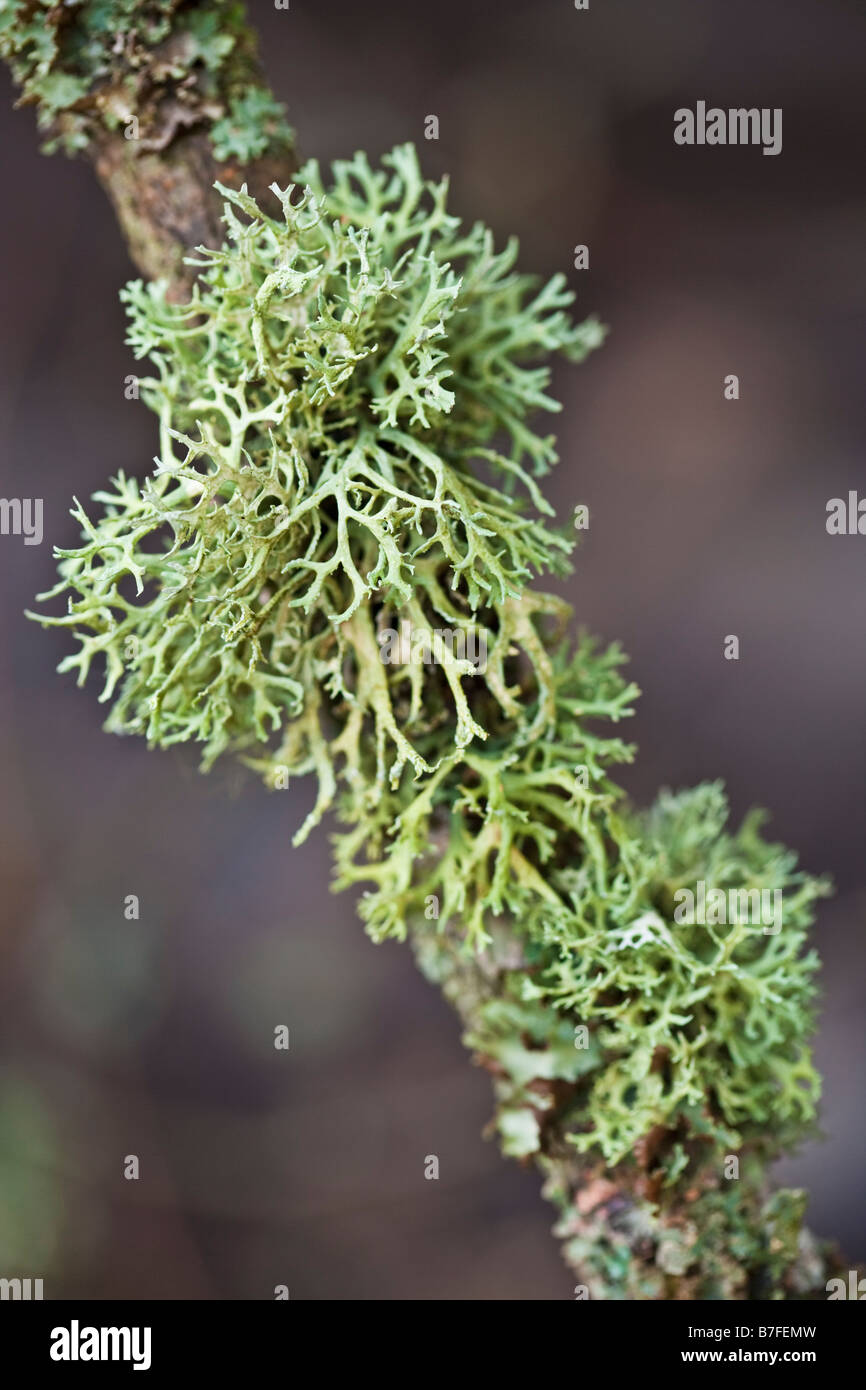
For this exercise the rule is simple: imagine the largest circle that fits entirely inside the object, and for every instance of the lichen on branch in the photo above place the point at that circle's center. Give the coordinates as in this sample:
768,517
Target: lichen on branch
94,66
325,398
165,97
346,402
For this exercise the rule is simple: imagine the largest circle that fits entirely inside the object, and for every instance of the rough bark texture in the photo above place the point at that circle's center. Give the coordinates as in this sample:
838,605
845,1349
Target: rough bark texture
166,202
165,97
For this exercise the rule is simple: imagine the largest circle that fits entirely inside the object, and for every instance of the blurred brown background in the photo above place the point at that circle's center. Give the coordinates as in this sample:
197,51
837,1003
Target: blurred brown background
155,1037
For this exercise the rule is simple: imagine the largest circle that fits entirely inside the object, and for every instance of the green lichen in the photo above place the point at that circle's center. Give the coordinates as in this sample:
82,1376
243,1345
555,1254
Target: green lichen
346,447
323,399
255,122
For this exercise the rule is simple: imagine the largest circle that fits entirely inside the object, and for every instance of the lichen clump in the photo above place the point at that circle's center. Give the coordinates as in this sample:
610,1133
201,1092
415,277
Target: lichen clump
347,450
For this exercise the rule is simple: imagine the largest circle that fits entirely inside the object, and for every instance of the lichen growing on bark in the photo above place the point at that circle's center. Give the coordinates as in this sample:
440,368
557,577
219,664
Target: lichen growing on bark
346,446
91,66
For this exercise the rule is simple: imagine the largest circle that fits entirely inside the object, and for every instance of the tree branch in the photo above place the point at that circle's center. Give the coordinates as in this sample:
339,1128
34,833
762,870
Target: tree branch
166,97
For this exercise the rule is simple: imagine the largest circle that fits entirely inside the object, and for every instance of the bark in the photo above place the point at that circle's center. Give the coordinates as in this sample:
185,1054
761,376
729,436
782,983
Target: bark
165,200
623,1237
